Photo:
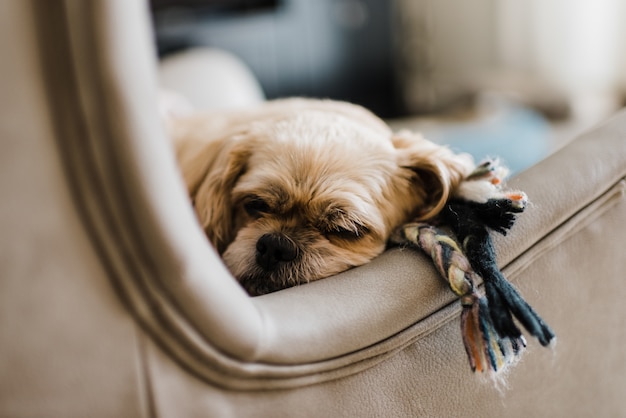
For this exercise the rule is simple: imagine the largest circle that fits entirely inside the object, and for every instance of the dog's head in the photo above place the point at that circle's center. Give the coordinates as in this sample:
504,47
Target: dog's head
303,195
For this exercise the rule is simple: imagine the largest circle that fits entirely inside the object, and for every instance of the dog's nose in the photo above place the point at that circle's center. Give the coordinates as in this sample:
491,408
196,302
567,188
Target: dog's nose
274,249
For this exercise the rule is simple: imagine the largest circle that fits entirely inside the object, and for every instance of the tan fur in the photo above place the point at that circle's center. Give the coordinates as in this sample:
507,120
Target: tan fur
336,182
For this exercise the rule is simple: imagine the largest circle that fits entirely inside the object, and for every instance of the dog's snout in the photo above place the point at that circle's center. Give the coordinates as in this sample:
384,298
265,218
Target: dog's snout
274,249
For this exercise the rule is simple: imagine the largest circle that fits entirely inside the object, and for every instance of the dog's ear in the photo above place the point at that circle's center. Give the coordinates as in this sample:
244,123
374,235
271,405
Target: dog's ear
436,170
211,176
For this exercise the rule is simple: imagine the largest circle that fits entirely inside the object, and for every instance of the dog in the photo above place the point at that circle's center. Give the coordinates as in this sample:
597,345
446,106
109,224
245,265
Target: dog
297,190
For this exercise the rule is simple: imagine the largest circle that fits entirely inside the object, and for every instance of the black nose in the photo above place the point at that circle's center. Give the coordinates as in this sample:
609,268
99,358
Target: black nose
274,249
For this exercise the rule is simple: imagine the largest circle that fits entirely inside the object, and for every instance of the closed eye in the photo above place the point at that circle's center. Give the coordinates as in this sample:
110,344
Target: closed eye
255,206
348,234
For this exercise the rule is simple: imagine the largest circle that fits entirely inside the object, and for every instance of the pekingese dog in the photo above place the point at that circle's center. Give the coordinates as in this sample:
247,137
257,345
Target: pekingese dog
300,189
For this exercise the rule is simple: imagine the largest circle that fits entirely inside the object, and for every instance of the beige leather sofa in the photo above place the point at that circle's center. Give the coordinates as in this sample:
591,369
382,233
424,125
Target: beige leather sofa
112,304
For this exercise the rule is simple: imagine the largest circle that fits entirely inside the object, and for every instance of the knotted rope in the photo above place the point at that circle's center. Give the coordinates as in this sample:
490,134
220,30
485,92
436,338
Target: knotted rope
492,339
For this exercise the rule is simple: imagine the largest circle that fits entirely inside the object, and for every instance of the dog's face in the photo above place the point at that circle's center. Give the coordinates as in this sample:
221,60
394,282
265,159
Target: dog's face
309,194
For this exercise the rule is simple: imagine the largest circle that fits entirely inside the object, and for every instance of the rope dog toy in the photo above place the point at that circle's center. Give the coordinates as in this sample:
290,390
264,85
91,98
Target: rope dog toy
491,337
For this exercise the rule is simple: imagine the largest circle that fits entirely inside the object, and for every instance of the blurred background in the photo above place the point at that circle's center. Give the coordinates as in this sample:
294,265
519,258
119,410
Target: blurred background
492,77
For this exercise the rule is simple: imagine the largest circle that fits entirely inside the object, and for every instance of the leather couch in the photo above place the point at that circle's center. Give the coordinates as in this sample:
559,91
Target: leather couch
112,303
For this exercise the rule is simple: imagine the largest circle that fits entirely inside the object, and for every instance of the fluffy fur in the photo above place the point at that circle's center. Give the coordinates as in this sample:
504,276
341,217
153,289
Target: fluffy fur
298,190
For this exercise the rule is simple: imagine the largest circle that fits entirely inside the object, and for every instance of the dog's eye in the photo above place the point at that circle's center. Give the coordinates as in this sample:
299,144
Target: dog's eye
347,234
256,206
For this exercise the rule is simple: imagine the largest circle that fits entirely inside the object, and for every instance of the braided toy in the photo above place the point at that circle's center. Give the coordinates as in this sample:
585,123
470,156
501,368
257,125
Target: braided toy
492,339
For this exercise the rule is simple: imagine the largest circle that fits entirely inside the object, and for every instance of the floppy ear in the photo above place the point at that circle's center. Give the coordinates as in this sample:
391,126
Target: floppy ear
210,177
436,170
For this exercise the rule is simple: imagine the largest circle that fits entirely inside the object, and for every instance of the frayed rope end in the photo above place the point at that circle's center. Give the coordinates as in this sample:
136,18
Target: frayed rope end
487,352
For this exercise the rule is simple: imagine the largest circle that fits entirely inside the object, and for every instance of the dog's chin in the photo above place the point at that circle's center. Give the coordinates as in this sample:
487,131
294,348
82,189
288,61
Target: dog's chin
262,283
316,262
257,281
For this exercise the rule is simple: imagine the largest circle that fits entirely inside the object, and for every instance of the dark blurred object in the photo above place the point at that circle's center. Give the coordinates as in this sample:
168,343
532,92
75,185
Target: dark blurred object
214,5
339,49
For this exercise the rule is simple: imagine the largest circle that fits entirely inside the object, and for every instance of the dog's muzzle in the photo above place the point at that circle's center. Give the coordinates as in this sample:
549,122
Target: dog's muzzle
274,250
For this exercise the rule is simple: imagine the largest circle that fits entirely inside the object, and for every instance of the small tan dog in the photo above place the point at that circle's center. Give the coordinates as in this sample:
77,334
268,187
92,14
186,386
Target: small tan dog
298,190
